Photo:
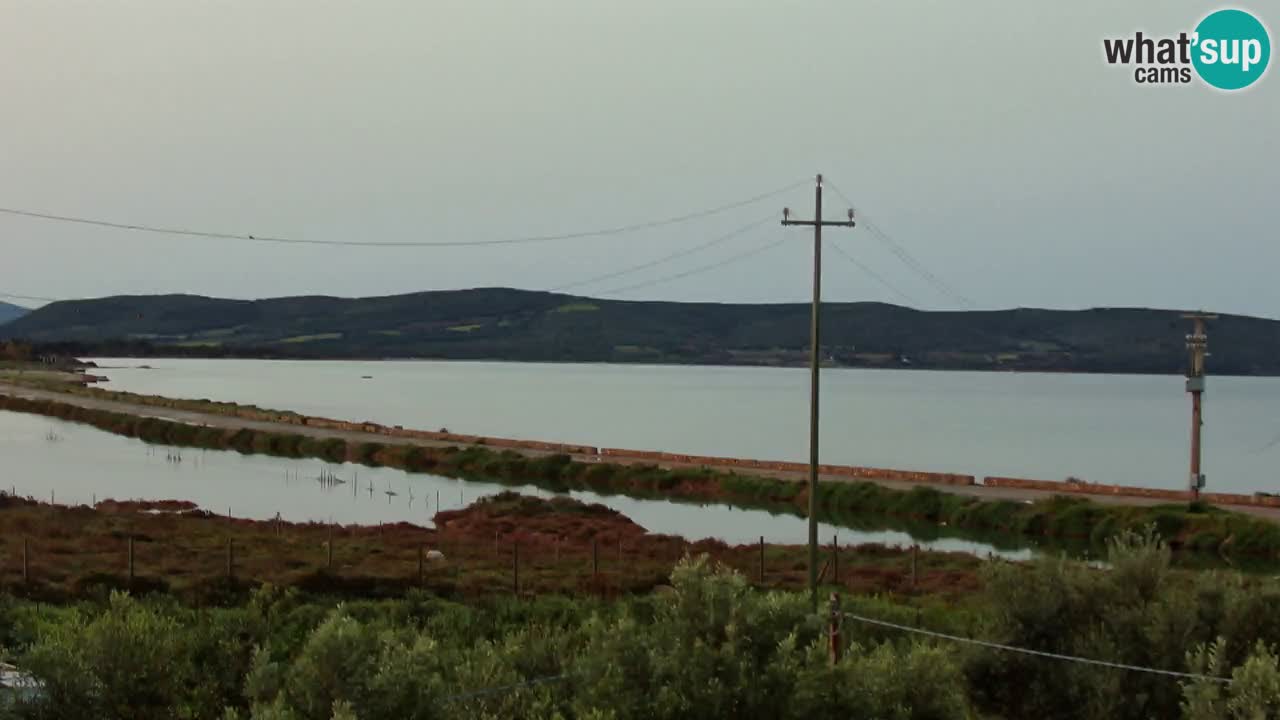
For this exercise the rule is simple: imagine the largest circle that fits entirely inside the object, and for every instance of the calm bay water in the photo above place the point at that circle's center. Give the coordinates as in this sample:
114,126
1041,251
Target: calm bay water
1122,429
78,464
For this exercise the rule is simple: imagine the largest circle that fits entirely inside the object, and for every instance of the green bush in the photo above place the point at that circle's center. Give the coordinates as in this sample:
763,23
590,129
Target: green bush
710,646
367,453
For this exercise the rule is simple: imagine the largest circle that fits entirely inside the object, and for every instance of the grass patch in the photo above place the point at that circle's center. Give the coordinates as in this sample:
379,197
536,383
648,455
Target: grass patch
576,307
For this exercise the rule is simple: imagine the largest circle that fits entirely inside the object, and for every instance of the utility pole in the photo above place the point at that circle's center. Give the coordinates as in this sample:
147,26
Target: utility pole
815,360
1197,343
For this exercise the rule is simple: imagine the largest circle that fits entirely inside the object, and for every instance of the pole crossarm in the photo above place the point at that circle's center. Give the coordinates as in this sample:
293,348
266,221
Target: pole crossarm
823,223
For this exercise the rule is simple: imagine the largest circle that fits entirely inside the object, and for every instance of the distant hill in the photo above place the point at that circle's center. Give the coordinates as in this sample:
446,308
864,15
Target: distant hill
11,312
500,323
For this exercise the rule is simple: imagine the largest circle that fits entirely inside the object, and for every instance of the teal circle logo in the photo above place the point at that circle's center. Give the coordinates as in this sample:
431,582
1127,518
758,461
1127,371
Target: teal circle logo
1231,49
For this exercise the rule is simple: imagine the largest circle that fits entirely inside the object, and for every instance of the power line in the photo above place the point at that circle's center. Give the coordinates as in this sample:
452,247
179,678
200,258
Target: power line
911,262
905,256
1275,441
666,258
704,268
1037,653
27,297
601,232
667,278
874,275
625,271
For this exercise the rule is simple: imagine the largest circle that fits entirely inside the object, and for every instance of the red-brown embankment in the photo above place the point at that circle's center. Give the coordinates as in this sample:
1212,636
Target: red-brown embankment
844,470
1082,488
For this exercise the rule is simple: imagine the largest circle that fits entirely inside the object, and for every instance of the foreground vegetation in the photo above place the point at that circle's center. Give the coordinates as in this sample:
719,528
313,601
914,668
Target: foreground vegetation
1195,527
707,646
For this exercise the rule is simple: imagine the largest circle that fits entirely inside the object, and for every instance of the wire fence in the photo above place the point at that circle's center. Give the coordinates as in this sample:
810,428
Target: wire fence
59,548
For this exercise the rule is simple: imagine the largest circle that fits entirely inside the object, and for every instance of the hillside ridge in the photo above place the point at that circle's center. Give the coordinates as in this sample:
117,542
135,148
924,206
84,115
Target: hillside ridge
524,325
10,312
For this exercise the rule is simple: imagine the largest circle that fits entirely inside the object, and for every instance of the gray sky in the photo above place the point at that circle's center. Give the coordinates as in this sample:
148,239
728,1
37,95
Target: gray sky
988,138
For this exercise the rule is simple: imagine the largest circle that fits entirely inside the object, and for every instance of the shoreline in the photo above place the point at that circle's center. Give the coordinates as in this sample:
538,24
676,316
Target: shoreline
1011,511
991,487
651,364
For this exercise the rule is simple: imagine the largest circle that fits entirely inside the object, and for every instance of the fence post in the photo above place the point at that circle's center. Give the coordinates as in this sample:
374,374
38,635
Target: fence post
595,558
420,565
761,559
230,559
915,555
329,550
835,559
515,568
26,570
131,561
833,630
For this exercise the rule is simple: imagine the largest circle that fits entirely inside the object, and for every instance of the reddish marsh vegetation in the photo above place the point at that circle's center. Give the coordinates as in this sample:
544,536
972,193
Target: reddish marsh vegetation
499,545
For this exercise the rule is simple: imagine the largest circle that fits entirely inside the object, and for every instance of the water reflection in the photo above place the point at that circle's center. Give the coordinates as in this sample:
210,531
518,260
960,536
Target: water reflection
84,465
1121,429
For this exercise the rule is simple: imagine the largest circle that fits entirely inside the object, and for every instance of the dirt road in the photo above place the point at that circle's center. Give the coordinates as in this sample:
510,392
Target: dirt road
224,421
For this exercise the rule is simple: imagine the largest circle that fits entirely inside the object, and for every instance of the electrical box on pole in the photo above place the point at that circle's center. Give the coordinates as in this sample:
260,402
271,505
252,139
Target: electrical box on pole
1197,344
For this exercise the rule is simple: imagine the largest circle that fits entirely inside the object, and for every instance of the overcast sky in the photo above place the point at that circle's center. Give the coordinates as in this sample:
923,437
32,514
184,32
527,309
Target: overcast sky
989,139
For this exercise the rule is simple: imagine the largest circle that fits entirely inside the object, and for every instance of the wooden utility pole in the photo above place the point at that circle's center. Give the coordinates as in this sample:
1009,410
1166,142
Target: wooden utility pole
815,360
1197,343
